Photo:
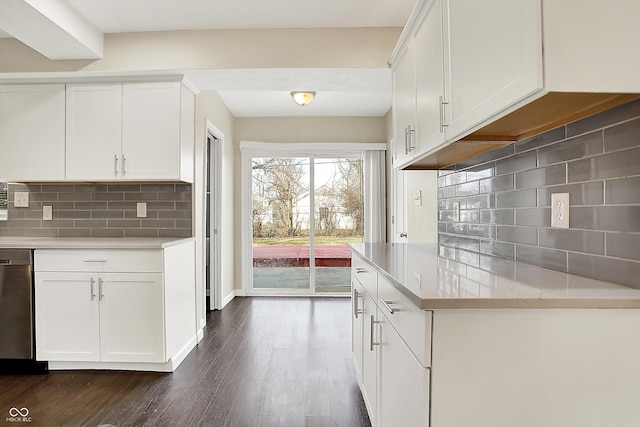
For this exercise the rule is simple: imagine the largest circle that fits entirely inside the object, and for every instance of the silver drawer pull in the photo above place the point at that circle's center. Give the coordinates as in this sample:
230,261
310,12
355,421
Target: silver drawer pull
356,309
371,343
94,260
361,270
93,290
100,290
386,304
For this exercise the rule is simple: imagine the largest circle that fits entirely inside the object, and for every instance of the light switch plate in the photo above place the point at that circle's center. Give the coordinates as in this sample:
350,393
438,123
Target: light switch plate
21,199
47,213
142,210
560,210
417,198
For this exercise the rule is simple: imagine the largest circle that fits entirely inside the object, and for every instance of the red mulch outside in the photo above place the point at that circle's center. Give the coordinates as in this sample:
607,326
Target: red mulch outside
298,256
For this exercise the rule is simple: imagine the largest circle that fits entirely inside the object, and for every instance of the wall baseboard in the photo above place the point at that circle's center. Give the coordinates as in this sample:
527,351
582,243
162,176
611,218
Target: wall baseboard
226,300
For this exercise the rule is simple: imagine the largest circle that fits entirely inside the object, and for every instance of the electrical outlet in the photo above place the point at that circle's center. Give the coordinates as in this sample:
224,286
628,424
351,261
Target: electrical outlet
456,211
47,213
142,210
560,210
21,199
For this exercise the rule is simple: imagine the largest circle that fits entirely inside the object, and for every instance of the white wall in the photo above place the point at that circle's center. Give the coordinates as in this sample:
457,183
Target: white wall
299,131
179,50
422,221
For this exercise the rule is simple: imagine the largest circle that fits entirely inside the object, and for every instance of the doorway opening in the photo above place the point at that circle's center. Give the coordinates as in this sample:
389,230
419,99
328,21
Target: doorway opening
213,159
305,210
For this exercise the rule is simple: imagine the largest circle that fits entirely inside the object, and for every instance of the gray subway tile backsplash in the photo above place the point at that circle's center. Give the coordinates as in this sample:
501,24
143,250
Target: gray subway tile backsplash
596,160
625,135
612,165
101,210
556,174
571,149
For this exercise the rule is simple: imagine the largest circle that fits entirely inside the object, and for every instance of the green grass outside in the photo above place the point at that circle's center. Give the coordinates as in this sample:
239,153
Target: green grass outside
320,240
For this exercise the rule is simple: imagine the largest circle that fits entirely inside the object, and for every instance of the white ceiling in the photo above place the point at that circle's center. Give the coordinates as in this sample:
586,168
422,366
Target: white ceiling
263,93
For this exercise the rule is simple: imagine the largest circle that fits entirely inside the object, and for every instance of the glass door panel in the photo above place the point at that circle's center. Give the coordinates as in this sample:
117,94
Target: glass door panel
339,220
281,219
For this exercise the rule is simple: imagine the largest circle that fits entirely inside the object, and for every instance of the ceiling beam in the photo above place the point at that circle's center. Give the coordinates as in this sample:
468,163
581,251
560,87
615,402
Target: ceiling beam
51,27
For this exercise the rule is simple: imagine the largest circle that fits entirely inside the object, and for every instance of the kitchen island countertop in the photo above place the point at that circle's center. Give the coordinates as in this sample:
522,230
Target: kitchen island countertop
435,282
90,242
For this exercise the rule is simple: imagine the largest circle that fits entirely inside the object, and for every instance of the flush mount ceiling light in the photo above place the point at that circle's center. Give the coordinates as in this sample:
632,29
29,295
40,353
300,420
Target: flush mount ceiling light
303,97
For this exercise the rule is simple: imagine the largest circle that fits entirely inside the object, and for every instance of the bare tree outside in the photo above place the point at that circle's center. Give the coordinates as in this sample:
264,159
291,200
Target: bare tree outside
300,234
278,183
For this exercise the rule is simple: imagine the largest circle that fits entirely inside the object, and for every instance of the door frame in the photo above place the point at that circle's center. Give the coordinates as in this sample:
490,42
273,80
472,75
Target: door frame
214,152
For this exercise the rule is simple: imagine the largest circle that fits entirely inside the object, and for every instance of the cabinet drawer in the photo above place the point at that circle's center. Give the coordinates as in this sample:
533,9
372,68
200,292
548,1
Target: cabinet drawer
115,260
411,323
366,275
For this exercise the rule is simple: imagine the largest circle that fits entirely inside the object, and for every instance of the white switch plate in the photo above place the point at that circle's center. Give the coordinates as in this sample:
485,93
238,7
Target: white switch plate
417,198
142,210
560,210
47,213
21,199
417,278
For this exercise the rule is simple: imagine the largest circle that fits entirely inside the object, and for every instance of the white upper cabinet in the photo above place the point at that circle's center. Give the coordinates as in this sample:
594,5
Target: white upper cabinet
130,131
32,132
419,86
498,85
404,104
151,131
94,131
494,49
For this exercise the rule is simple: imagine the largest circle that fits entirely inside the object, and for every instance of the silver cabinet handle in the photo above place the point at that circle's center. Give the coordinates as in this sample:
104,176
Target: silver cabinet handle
100,289
115,165
386,304
371,343
360,270
93,290
94,260
356,309
406,141
124,165
403,234
411,132
442,118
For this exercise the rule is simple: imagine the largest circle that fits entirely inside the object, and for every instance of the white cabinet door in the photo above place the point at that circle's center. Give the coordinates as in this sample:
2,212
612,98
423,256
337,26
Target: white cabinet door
357,325
370,357
429,77
94,132
495,54
403,382
67,317
131,317
32,133
404,105
151,131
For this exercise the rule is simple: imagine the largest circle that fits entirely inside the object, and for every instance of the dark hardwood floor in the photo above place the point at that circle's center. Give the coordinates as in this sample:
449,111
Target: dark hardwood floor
262,362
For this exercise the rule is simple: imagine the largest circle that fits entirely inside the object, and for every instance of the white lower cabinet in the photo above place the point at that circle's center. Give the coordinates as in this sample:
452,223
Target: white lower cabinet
107,317
118,309
394,382
403,381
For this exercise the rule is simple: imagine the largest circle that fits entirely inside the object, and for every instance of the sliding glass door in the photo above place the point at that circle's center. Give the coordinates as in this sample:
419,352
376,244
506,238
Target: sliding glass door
281,222
305,210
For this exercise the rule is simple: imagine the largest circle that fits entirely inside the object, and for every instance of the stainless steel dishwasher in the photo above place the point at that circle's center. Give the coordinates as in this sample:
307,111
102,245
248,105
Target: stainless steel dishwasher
17,352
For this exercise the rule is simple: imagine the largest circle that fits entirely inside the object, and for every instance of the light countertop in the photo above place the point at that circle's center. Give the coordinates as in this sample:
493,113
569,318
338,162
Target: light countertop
435,282
90,242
